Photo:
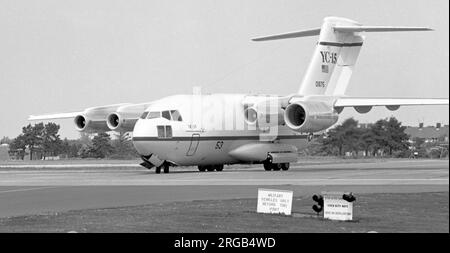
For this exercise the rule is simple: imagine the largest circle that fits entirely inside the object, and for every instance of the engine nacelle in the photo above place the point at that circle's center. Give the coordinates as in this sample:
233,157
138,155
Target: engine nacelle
310,116
84,123
264,115
120,122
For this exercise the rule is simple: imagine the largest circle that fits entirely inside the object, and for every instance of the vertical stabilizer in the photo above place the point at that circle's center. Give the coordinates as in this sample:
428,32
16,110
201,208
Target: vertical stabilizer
335,56
333,60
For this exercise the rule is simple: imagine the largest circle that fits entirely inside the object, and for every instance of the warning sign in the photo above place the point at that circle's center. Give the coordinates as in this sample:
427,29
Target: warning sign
274,201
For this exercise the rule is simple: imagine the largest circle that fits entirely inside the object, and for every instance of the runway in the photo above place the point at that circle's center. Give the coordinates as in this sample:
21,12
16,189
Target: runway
28,190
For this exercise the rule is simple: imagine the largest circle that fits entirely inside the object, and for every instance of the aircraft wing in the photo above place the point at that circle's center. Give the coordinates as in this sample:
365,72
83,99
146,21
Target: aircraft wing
95,119
65,115
361,101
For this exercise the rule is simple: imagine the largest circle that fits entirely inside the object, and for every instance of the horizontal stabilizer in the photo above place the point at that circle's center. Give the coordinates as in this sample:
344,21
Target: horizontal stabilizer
289,35
359,101
344,29
379,29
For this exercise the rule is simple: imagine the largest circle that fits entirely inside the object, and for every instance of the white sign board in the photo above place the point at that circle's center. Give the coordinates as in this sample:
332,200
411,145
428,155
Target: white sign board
335,208
274,201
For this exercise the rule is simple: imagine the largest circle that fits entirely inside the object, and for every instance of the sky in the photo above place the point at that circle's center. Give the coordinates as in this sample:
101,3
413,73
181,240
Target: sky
64,56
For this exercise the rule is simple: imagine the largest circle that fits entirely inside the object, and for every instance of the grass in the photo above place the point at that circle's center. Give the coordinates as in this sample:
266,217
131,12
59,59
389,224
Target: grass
410,212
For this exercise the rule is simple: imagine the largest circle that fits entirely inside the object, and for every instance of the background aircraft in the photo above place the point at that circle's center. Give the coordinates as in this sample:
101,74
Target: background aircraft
212,130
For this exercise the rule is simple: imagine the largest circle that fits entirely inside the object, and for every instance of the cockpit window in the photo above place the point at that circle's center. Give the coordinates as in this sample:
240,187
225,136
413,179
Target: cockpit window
144,115
176,116
173,115
166,115
153,115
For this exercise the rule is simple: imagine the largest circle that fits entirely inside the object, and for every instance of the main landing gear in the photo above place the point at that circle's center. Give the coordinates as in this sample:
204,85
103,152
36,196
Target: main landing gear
203,168
268,166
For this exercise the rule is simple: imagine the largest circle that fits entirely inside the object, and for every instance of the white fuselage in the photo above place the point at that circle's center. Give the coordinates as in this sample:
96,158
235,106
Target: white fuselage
211,127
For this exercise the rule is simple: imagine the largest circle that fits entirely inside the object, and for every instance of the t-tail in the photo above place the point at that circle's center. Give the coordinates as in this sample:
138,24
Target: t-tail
335,56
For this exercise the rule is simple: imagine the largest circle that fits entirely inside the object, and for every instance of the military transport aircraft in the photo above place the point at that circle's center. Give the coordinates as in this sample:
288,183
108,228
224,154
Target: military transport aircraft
211,130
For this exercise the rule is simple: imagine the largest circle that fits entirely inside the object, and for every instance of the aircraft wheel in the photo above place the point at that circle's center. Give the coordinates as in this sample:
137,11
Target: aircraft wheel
158,170
285,166
166,168
219,167
267,166
201,168
210,168
276,166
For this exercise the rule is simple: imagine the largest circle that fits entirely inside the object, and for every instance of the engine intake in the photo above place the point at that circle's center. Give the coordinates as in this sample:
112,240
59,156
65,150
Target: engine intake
119,122
264,115
80,122
251,116
310,116
113,121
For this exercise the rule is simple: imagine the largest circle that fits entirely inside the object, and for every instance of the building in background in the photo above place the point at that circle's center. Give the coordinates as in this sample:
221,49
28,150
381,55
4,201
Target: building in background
429,141
429,134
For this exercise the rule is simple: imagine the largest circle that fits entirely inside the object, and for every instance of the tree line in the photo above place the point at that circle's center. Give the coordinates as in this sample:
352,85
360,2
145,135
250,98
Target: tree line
43,141
386,137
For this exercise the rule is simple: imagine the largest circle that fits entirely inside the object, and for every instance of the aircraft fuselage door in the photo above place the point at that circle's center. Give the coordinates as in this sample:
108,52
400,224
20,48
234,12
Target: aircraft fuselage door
195,138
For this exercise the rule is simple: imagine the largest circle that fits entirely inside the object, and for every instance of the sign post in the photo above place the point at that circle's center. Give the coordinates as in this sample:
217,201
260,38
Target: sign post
274,201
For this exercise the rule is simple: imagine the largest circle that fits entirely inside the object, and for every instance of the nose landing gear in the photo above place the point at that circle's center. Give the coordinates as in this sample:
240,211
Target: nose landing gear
165,167
149,164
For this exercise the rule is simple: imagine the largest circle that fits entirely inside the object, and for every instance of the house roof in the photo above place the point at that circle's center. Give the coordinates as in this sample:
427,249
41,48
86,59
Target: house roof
429,132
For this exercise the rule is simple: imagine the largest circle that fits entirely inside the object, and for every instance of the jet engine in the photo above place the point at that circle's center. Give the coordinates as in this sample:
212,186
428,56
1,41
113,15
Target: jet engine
264,115
85,123
121,121
94,119
310,116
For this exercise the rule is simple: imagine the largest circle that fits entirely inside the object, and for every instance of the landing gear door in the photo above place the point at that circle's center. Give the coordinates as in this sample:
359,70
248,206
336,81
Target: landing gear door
193,145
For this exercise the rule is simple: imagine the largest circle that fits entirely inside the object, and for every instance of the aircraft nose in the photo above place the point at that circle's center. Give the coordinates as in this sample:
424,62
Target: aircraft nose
142,131
139,127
